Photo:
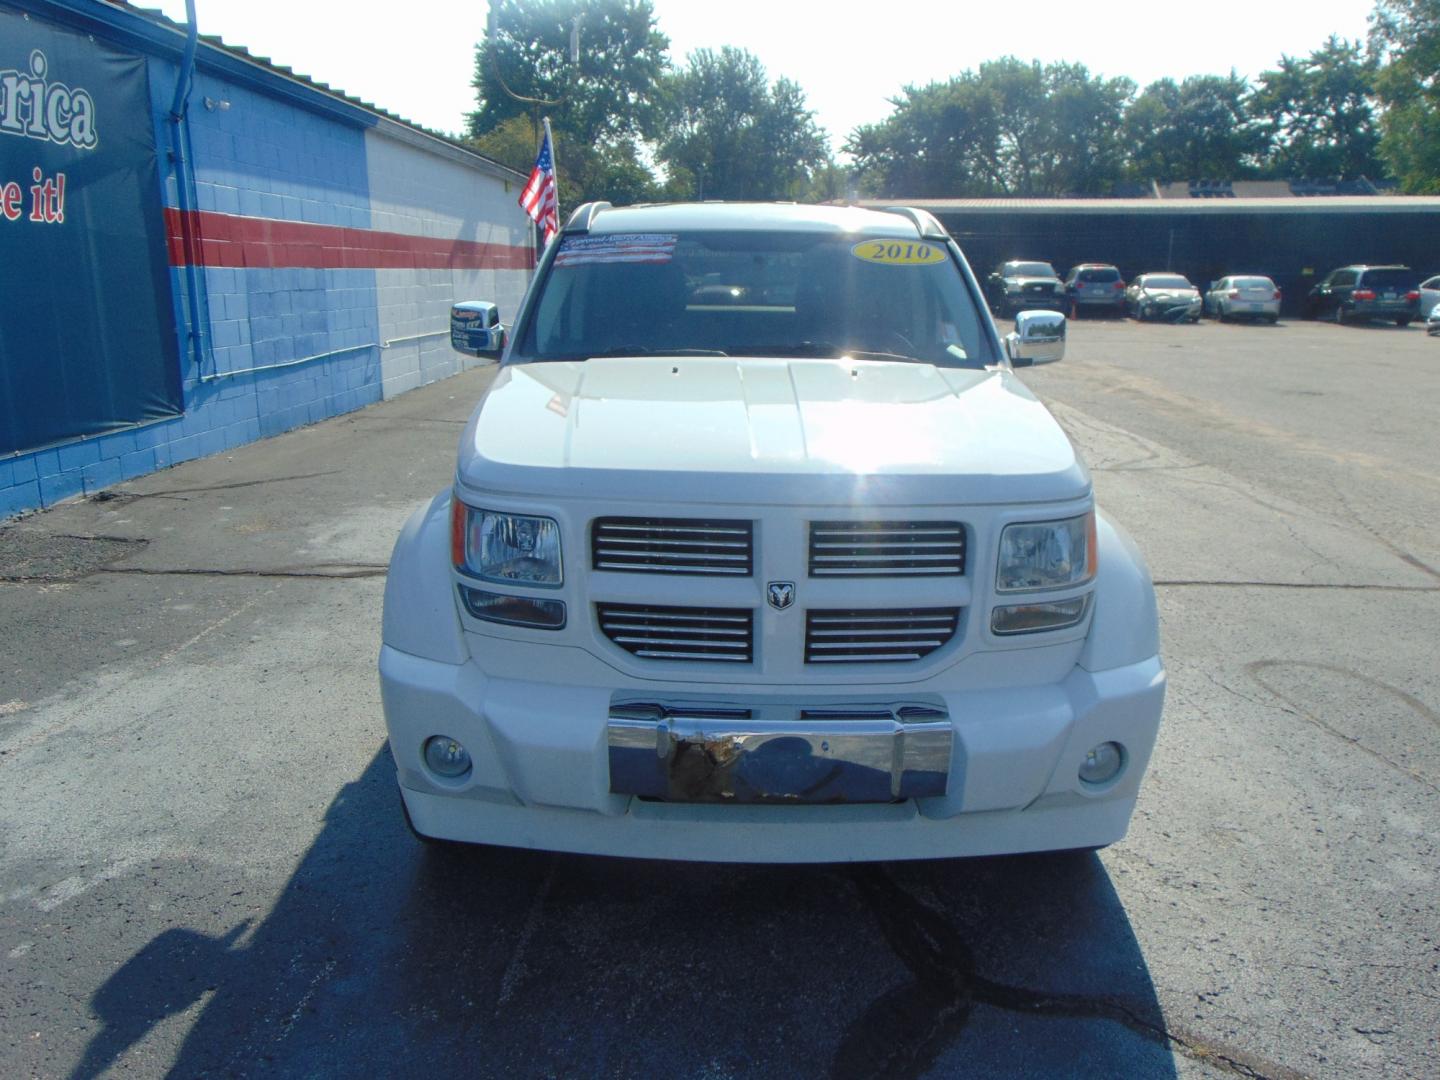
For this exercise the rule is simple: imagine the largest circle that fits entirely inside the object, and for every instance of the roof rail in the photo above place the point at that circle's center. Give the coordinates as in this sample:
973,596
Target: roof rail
584,216
925,223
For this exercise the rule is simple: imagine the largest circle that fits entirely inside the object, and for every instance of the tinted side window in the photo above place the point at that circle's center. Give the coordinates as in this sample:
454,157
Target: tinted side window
1397,278
1343,278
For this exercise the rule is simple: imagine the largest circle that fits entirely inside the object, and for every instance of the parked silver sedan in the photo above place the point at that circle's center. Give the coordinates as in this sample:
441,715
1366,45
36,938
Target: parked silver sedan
1432,324
1163,296
1429,295
1248,296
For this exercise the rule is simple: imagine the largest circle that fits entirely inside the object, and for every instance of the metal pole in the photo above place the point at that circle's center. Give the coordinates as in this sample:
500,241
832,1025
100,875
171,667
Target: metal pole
555,166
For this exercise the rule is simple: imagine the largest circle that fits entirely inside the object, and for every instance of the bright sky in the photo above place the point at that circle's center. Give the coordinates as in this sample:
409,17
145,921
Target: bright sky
417,60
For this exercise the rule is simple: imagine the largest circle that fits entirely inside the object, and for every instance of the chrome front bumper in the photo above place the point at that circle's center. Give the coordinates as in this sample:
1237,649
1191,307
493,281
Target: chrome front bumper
864,755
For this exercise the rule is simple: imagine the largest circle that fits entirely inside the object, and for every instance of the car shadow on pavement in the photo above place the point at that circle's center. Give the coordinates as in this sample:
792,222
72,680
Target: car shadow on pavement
381,956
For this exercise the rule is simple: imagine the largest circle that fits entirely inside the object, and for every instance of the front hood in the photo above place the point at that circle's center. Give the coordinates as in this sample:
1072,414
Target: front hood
1022,282
1176,295
767,431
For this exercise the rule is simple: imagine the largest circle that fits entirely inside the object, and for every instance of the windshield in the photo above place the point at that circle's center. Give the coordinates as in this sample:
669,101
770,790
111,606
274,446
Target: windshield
1251,283
1099,274
1023,269
749,293
1167,281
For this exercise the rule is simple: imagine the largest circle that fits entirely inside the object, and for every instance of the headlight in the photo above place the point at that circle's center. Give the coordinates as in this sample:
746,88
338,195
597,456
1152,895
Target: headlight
510,549
1047,554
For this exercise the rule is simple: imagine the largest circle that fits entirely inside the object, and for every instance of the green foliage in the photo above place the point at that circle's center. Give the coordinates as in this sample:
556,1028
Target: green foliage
1405,36
1010,128
727,133
719,128
611,170
1317,113
609,93
599,107
1197,129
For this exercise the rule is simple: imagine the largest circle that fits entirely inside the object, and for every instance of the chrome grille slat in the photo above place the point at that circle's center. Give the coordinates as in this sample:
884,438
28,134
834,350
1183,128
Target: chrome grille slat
819,618
860,636
679,633
612,526
886,548
740,545
673,546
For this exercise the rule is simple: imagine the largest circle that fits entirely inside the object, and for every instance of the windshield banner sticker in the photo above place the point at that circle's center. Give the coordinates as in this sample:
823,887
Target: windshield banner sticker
898,252
620,248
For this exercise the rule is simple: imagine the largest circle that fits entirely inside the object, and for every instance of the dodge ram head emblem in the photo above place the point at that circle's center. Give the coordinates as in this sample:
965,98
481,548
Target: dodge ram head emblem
781,594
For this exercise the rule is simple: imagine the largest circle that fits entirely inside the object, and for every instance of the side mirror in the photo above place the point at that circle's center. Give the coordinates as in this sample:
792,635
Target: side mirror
475,329
1038,338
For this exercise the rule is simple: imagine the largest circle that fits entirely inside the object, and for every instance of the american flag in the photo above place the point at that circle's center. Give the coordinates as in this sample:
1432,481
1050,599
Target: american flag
540,199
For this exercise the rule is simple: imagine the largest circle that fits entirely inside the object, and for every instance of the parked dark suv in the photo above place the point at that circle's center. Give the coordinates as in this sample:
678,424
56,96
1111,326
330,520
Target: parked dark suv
1358,293
1096,287
1020,285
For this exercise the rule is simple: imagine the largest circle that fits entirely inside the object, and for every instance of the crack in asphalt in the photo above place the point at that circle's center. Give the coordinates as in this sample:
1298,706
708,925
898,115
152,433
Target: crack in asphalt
1256,669
1384,541
131,496
901,1033
1176,583
335,571
408,420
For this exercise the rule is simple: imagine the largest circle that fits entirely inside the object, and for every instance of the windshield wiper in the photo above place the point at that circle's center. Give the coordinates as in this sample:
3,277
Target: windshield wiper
823,349
642,350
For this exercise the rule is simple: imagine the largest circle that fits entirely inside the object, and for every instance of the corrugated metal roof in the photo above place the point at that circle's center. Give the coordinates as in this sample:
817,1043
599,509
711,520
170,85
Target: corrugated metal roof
1336,204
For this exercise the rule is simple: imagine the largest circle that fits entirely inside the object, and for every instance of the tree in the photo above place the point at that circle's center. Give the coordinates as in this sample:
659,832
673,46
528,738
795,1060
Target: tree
1317,113
1197,129
605,103
613,171
1009,128
1405,39
608,93
729,134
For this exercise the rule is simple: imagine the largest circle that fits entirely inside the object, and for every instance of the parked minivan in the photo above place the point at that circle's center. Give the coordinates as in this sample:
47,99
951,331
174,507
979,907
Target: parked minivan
1360,293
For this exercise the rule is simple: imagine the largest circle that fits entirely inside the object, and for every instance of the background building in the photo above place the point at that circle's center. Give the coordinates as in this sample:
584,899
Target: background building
198,249
1294,240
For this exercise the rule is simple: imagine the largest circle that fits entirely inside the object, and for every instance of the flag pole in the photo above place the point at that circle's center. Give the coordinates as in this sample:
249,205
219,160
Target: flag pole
555,168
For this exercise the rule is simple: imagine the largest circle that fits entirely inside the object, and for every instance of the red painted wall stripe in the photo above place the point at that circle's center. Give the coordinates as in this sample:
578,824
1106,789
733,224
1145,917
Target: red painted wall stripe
229,240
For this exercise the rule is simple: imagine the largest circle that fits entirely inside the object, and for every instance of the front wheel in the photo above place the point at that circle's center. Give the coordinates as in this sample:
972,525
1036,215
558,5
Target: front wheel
1403,321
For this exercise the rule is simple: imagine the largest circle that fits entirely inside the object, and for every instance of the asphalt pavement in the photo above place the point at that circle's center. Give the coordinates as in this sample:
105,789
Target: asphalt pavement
203,870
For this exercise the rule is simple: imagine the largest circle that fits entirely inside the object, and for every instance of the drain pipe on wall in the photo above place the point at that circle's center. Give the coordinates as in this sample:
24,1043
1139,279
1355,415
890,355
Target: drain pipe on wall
179,137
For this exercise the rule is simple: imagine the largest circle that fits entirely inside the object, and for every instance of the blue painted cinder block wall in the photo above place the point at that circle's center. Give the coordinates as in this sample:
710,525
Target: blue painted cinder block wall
277,346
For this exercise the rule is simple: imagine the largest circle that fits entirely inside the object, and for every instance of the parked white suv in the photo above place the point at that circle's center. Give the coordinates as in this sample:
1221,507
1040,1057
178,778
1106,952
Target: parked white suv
759,551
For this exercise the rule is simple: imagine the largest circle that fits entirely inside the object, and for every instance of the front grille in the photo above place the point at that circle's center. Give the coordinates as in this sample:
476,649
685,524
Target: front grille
672,546
876,635
886,548
680,633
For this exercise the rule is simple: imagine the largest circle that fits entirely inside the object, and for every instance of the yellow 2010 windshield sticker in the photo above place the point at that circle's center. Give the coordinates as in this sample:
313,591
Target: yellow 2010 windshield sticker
898,252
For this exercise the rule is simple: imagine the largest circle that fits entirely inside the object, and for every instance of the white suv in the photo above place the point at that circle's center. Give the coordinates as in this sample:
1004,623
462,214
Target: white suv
759,551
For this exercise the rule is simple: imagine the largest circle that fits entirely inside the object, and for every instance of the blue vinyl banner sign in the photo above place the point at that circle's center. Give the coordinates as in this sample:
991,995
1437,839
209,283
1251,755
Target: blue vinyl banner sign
87,338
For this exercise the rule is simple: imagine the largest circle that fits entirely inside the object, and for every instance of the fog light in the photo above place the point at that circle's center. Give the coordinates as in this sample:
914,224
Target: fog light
1103,763
446,757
